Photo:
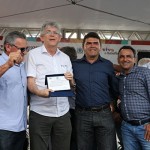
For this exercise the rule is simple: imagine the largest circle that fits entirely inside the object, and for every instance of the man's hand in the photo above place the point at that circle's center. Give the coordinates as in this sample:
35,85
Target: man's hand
44,93
34,89
147,132
15,57
112,107
68,76
117,118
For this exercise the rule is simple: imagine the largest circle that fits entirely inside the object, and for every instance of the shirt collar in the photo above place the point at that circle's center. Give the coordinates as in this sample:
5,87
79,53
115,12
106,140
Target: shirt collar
133,69
44,50
99,58
5,56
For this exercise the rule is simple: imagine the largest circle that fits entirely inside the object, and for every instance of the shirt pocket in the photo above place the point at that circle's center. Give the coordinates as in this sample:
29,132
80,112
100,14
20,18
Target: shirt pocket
64,68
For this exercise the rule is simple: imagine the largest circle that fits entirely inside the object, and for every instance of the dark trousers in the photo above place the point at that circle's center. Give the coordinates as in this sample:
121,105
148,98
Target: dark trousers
41,128
12,140
96,127
73,144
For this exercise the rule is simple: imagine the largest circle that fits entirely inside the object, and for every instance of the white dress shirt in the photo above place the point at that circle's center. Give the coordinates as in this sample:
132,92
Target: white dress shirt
39,64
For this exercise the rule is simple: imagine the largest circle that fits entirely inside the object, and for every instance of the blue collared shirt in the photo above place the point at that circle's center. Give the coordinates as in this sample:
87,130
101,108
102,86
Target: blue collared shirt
135,94
94,82
13,97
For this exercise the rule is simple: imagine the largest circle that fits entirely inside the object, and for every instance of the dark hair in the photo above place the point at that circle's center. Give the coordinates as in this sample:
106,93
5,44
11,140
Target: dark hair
91,35
70,51
128,47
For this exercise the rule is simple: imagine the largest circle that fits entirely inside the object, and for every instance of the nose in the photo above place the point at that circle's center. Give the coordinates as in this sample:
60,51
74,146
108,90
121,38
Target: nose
92,44
125,58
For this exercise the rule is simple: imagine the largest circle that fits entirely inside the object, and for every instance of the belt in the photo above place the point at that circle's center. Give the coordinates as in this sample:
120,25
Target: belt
138,122
92,109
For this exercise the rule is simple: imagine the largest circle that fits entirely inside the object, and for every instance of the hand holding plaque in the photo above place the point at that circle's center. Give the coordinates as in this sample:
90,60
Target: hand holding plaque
57,82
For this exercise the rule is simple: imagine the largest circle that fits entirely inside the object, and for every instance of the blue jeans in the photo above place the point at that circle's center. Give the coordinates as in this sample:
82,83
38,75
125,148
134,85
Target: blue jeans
133,137
12,140
94,127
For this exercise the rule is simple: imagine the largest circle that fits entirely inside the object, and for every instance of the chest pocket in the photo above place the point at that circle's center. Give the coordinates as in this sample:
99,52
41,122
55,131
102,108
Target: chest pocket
11,78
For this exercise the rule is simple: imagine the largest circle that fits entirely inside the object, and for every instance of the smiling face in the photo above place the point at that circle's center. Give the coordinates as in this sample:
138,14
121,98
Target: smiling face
126,59
92,48
50,37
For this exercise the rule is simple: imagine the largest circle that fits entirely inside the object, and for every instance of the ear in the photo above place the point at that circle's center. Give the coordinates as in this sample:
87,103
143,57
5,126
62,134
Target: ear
7,48
135,60
60,37
41,38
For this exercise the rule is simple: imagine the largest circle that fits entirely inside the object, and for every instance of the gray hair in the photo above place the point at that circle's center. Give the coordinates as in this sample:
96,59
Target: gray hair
143,61
50,24
12,36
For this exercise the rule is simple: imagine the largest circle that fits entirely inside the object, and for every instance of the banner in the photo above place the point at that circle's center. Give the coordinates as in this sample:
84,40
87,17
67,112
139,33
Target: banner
108,51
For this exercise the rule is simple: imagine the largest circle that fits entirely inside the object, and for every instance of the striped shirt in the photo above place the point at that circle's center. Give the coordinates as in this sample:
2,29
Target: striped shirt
135,94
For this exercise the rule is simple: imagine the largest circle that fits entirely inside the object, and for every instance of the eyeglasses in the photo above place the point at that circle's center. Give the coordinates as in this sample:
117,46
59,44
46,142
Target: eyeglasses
52,32
22,48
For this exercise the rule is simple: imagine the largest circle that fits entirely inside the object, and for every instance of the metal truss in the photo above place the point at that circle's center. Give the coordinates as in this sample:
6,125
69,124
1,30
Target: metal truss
79,33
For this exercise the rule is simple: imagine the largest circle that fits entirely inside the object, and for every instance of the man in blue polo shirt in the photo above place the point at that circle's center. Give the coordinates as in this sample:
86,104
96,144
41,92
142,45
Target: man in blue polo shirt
95,85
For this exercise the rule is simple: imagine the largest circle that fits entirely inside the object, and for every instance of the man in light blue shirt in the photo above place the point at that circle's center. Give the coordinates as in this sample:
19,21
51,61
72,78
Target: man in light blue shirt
13,97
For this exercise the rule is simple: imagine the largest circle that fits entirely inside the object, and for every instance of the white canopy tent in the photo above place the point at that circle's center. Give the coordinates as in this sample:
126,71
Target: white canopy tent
77,14
115,15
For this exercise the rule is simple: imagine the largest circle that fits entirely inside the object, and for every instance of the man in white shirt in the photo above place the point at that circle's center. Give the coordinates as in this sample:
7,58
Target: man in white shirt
49,116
